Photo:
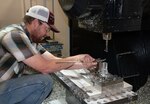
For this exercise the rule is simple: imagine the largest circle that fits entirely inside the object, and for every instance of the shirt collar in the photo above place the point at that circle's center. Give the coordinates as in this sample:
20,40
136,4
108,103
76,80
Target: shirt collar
25,30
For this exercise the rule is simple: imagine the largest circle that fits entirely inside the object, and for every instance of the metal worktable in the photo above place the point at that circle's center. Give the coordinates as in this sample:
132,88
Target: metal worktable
75,94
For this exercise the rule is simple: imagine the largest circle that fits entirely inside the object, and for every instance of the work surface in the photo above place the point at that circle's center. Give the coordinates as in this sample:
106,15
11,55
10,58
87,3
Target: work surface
59,92
80,87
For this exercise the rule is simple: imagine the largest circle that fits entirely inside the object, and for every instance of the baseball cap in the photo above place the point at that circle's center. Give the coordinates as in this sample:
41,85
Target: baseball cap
42,13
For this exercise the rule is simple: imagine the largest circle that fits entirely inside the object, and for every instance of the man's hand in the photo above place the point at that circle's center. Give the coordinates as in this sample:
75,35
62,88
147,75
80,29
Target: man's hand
87,61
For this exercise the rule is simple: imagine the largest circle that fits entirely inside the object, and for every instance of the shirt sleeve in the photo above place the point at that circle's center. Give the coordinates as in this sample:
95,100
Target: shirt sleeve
19,45
41,49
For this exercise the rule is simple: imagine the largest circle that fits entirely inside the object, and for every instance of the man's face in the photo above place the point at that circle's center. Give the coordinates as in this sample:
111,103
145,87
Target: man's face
40,32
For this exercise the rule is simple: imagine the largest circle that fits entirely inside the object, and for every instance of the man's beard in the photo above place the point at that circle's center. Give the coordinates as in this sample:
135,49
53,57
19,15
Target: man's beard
36,39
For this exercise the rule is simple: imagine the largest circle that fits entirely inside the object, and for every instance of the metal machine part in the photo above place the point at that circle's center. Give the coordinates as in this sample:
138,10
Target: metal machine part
107,37
124,19
128,52
123,98
67,4
100,87
105,15
88,88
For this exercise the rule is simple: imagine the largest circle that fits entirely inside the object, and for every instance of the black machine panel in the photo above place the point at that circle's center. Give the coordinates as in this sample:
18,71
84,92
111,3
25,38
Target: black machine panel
105,15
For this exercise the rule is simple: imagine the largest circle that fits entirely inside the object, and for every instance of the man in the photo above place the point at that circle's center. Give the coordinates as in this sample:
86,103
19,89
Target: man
19,47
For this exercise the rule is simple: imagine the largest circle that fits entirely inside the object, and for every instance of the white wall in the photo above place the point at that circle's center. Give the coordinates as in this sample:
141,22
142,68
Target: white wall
62,24
12,11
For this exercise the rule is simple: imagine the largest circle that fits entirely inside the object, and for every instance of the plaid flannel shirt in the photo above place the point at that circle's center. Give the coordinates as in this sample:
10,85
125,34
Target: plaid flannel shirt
15,46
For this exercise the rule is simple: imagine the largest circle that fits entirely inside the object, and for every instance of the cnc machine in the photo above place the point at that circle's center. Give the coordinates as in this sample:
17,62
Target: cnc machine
116,33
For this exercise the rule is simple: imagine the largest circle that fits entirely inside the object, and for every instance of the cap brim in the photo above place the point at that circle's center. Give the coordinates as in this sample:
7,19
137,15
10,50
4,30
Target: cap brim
54,29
